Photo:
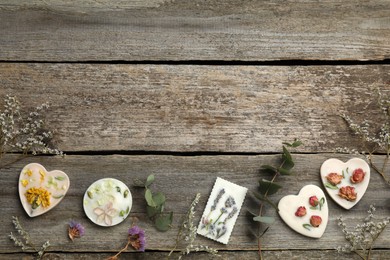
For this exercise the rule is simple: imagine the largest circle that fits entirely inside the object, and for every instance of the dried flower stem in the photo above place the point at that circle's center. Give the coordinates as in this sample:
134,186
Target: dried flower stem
362,239
27,243
187,233
26,134
373,142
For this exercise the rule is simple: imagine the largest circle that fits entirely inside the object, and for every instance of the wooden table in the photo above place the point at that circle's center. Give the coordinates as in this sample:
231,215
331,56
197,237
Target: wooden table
189,91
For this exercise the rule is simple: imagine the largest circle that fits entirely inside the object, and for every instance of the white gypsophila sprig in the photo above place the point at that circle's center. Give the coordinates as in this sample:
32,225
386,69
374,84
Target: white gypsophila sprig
363,236
375,136
26,134
187,233
27,244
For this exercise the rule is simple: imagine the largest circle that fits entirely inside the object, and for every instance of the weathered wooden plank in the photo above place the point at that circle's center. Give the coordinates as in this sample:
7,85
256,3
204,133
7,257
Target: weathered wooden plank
179,178
60,30
198,108
245,255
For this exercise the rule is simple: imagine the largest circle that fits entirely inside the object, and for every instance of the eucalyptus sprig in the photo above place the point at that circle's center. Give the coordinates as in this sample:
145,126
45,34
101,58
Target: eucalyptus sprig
26,242
270,187
155,205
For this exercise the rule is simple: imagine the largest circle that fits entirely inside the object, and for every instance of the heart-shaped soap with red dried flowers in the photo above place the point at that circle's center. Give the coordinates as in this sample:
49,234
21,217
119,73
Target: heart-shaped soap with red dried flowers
41,190
347,182
306,213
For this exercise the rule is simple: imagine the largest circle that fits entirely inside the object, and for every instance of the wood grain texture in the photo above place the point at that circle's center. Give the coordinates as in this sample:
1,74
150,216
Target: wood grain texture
244,255
90,30
180,178
96,107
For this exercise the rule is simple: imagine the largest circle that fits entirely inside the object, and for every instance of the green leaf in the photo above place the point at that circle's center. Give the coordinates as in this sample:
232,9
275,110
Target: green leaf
262,234
296,143
159,198
149,180
288,163
268,168
284,171
264,219
322,201
149,198
60,178
307,226
314,208
153,211
163,222
265,199
267,187
330,186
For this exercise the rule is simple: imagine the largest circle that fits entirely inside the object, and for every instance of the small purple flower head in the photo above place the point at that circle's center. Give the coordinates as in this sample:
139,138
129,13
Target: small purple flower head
137,238
75,230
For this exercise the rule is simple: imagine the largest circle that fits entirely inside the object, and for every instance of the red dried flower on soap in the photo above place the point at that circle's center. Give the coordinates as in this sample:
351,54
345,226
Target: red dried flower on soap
315,221
358,175
334,178
301,211
313,200
348,193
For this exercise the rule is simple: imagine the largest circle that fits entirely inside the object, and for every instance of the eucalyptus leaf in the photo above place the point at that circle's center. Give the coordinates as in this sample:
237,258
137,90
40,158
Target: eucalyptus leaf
264,219
153,211
296,143
265,199
149,198
268,168
159,198
262,234
149,180
287,159
163,222
284,171
268,188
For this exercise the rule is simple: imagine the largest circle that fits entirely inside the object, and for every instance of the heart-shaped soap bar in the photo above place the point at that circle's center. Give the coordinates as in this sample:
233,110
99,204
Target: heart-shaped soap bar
40,190
347,182
306,213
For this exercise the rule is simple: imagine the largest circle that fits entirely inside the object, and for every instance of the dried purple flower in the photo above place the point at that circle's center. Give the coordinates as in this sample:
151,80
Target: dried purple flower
75,230
219,196
137,238
230,202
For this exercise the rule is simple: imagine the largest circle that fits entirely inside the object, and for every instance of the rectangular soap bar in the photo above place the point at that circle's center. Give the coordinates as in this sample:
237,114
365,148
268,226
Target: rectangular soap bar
222,210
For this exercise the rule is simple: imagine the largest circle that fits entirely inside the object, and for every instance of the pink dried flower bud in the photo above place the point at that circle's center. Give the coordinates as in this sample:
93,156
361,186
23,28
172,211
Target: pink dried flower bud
315,221
348,193
358,175
301,211
334,178
313,200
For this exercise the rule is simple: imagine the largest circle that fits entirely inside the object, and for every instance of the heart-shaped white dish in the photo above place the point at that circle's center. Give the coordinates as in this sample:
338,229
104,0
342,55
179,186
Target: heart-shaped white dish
290,210
40,190
345,171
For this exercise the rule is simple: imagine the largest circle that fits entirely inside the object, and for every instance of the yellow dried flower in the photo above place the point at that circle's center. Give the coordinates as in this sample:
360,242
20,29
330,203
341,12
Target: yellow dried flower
24,182
37,197
28,172
42,173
